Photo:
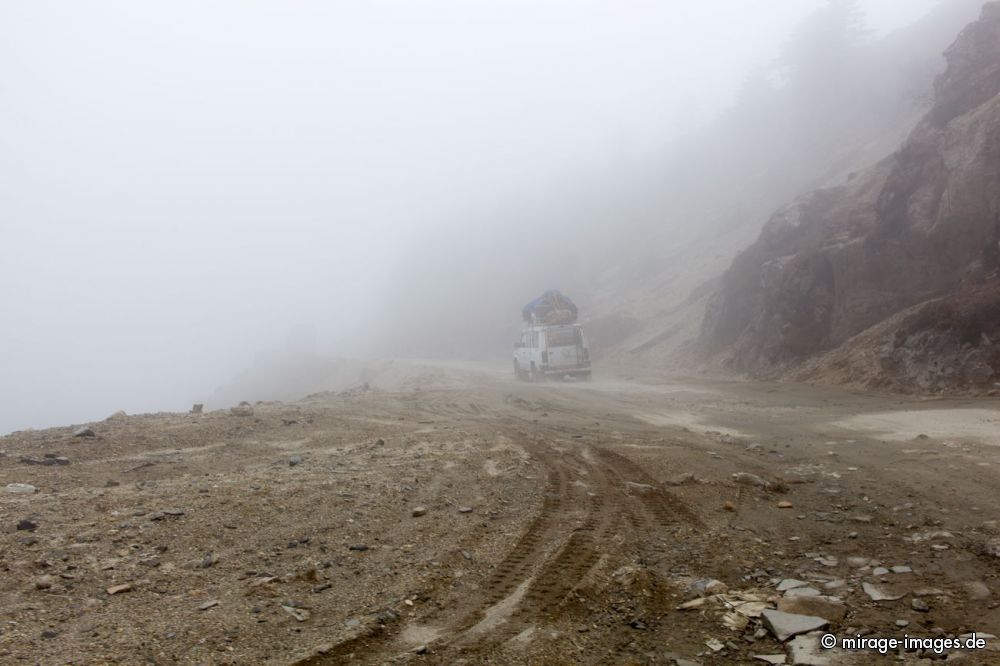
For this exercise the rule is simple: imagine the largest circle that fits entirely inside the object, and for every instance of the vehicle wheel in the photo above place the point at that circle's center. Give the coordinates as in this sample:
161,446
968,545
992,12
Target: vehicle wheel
585,376
519,375
536,376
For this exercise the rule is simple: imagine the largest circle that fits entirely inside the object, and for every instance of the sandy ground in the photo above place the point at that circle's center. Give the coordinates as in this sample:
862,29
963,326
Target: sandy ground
559,523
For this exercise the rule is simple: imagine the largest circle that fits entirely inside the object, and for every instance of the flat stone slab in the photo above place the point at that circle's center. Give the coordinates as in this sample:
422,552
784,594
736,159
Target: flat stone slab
877,593
785,625
806,650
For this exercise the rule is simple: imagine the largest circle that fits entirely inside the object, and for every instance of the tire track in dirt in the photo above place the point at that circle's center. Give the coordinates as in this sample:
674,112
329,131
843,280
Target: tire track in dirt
667,508
587,515
615,521
518,565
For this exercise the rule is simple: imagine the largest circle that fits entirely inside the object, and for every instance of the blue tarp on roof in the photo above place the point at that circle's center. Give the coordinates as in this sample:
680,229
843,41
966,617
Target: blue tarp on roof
550,301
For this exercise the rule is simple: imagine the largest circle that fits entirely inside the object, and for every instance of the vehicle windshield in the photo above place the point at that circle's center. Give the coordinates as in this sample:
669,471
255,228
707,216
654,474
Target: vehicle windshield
562,337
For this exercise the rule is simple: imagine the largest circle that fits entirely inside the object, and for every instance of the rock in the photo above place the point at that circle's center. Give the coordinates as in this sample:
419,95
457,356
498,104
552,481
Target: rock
197,408
386,616
729,506
681,479
295,460
210,560
714,644
639,488
857,562
708,586
49,460
919,605
119,589
716,587
828,608
790,583
806,650
465,509
299,614
990,640
770,658
902,623
747,479
796,592
358,547
44,582
84,431
26,524
208,604
977,590
785,504
21,488
991,547
419,511
879,571
242,409
901,569
49,634
117,416
785,625
880,594
692,604
111,483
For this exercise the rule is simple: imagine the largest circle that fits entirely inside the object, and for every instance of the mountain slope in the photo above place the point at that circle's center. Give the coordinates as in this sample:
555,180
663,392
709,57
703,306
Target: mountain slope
921,227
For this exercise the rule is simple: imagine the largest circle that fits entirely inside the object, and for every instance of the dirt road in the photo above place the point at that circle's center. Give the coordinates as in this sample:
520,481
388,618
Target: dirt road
452,515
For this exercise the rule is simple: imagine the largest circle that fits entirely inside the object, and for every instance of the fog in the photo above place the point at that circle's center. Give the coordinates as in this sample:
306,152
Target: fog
187,186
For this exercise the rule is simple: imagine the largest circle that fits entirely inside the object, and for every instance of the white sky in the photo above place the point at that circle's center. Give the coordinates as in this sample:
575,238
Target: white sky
182,183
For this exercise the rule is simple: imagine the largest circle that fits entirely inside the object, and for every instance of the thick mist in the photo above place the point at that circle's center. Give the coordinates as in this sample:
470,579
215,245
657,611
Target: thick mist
186,188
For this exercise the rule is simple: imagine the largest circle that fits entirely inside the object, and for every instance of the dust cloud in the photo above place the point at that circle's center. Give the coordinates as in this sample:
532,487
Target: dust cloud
187,189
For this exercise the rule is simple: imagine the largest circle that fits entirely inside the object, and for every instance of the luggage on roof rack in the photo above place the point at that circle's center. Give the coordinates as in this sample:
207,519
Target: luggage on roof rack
552,307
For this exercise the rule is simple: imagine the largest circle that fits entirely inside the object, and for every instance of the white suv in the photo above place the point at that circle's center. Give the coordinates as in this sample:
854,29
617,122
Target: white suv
551,351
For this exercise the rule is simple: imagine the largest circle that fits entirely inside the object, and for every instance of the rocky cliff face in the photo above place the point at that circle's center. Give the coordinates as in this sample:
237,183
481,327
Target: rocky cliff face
907,252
